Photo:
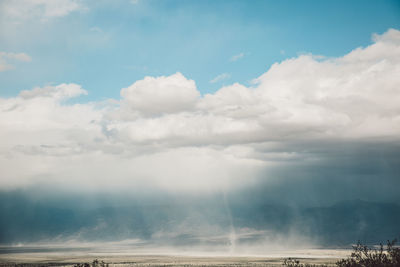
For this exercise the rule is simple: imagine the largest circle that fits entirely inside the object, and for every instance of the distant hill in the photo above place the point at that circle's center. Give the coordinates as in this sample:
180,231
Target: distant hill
191,222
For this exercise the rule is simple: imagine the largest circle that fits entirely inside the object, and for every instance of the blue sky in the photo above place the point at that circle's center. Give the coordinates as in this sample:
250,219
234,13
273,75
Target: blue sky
107,45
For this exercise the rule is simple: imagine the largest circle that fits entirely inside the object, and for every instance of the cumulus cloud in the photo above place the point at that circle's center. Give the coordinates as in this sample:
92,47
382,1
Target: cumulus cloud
5,59
162,133
160,95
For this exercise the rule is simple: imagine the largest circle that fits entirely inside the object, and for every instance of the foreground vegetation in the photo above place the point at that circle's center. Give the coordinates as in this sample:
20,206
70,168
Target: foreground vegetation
95,263
363,256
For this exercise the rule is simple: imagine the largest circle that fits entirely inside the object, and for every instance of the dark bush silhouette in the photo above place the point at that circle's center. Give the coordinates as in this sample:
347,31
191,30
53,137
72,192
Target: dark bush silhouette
296,263
368,257
362,256
95,263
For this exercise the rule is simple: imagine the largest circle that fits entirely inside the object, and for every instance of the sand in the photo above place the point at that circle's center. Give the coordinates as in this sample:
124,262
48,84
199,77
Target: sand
37,257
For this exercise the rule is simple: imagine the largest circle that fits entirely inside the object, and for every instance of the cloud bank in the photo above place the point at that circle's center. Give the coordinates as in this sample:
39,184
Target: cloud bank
162,133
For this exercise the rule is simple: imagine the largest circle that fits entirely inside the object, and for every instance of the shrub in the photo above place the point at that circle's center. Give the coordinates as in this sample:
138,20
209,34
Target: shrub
95,263
368,257
362,256
296,263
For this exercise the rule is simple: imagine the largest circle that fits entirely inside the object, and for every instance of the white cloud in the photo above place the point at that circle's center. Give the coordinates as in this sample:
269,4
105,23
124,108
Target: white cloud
96,30
237,57
62,91
17,56
162,133
5,59
5,66
21,10
152,96
221,77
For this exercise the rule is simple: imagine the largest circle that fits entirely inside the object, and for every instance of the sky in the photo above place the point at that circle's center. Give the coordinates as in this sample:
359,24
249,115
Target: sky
291,102
107,45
